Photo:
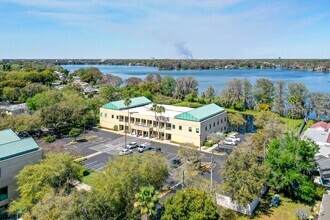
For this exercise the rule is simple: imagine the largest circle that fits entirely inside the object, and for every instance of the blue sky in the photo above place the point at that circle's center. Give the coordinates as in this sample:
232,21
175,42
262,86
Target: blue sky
223,29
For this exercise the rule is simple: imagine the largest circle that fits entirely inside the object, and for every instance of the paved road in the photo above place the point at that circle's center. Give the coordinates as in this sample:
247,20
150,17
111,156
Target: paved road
109,144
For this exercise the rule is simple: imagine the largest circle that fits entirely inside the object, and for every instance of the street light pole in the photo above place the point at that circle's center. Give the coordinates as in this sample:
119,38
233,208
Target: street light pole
212,171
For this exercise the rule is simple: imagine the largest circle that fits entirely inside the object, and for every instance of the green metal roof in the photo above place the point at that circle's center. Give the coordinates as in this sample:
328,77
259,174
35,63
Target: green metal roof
201,113
8,136
16,146
119,105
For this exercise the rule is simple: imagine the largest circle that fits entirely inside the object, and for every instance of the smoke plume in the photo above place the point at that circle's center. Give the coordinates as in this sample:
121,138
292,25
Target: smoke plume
183,50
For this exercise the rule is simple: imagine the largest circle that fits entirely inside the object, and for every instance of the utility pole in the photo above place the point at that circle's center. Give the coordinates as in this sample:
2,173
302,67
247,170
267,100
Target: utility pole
182,185
212,171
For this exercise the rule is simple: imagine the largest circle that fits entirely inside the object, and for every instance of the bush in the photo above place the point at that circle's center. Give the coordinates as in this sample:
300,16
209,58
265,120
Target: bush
263,107
320,190
207,144
49,139
115,127
238,106
81,159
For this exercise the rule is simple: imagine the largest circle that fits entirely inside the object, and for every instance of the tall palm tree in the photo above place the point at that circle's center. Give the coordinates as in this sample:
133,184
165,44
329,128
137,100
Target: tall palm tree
147,201
160,110
127,103
154,109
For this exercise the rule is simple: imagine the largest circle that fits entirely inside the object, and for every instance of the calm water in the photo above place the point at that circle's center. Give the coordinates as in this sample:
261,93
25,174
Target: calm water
316,82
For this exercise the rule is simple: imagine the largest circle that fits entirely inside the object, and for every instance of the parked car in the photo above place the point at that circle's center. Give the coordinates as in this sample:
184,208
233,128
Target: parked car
144,147
132,145
176,161
125,152
23,134
234,138
156,150
230,142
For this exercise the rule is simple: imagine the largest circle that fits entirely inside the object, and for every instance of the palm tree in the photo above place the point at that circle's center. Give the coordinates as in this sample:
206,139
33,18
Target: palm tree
127,103
160,110
147,202
154,109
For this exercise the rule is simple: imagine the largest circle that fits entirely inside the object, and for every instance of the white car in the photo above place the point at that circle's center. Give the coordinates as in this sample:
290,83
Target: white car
230,142
143,147
132,145
125,152
232,137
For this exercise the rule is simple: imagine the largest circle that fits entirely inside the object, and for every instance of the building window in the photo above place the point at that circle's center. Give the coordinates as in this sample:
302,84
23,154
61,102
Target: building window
106,115
213,124
101,114
190,129
117,117
3,193
225,119
210,126
197,130
180,127
112,116
205,128
221,120
217,122
173,126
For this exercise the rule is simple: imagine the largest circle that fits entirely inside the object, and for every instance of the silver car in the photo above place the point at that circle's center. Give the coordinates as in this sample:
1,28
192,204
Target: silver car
125,152
132,145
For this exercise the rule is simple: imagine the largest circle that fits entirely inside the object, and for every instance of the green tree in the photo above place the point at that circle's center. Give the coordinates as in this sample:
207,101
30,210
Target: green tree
11,94
236,120
75,132
44,99
280,95
190,203
94,104
297,98
185,85
292,165
243,175
247,94
113,192
35,181
192,155
146,202
264,91
271,123
168,84
210,93
53,206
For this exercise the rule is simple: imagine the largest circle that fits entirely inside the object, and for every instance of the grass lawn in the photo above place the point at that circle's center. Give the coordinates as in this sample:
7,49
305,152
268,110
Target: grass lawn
286,210
88,179
290,124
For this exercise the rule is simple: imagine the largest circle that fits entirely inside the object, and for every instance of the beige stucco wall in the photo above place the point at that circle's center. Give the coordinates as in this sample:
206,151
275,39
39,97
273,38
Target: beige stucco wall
11,167
177,135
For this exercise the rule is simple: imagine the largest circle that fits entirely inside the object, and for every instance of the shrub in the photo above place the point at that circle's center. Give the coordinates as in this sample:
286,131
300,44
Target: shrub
49,139
81,159
207,144
115,127
263,107
238,106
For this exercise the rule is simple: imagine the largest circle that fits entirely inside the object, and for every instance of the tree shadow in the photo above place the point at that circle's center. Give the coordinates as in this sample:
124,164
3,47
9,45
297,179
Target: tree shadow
263,207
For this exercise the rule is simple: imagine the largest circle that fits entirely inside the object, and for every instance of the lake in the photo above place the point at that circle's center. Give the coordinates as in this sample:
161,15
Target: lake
315,81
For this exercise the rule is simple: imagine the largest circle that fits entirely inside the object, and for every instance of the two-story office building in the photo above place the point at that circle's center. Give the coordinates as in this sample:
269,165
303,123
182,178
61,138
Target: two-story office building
15,153
177,124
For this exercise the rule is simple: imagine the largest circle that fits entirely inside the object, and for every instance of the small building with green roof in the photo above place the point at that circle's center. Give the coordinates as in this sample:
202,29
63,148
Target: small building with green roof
15,153
145,119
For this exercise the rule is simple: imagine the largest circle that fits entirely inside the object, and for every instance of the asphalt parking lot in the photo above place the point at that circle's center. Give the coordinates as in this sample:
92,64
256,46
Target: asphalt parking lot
106,145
